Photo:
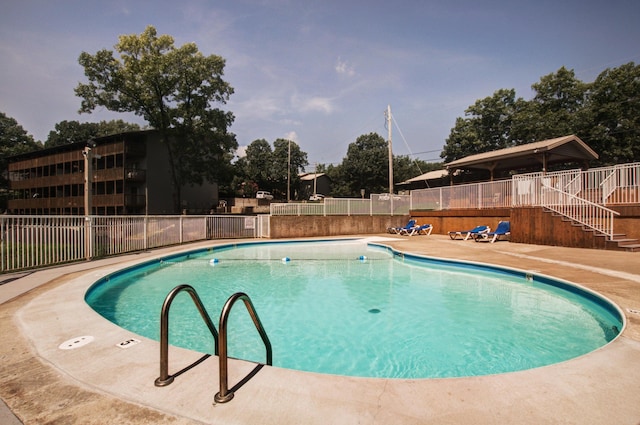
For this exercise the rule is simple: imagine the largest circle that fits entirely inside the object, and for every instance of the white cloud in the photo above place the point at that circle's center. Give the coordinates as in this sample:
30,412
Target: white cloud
344,68
263,107
292,135
313,104
241,152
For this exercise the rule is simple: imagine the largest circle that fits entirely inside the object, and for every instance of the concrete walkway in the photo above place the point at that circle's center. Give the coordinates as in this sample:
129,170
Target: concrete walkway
101,383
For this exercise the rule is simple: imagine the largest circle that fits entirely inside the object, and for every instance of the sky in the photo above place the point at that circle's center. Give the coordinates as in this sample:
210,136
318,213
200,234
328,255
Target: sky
322,73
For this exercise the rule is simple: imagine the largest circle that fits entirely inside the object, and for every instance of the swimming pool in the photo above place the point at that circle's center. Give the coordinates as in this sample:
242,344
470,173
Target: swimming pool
350,308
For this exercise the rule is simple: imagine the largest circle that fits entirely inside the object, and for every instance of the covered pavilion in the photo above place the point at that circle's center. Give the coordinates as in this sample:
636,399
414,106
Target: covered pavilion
536,155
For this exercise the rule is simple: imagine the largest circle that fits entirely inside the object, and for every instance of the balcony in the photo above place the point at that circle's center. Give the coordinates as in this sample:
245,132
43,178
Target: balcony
47,203
135,175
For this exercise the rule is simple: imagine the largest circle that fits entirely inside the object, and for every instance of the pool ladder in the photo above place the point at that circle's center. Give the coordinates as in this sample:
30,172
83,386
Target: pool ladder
225,394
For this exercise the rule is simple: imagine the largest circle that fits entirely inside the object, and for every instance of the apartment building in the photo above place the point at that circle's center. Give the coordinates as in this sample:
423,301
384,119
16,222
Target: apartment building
120,174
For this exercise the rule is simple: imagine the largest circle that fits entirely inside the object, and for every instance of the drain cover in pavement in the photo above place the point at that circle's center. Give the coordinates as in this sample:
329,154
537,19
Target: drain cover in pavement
75,342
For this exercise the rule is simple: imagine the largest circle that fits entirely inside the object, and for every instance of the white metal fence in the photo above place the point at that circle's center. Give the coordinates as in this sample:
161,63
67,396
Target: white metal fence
587,193
378,204
587,213
38,241
477,195
580,195
615,185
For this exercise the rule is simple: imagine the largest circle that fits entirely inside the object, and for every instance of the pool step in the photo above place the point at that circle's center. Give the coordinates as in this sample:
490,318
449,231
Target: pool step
619,241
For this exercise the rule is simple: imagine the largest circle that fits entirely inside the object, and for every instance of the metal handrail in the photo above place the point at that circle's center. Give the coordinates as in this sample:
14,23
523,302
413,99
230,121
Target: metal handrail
165,378
582,211
225,394
609,185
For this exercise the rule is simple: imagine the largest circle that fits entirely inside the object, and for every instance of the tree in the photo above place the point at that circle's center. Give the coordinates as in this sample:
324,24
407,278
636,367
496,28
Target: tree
502,120
173,89
288,162
553,111
462,141
493,119
14,140
355,167
268,168
67,132
405,168
605,114
366,166
258,164
613,110
487,127
339,185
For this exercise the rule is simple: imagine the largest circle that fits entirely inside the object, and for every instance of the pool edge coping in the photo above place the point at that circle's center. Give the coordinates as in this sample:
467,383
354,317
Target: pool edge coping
378,387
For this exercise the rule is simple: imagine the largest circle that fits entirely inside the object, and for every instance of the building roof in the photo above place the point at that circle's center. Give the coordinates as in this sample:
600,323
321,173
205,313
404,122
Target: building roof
310,176
562,149
431,175
78,146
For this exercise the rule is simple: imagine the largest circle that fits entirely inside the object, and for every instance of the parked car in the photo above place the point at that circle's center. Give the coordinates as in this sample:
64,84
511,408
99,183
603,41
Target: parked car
264,195
387,197
316,197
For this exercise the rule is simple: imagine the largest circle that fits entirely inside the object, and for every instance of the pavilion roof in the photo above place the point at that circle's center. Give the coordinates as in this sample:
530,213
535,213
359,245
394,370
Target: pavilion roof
561,149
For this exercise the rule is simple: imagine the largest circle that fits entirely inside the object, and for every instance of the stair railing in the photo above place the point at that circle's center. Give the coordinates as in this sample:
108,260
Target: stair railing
164,378
225,394
582,211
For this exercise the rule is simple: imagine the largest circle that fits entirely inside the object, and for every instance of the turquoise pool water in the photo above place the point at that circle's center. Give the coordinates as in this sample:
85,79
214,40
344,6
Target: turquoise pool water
349,308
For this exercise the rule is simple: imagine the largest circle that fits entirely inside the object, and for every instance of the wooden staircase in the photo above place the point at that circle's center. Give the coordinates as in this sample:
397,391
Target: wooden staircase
619,242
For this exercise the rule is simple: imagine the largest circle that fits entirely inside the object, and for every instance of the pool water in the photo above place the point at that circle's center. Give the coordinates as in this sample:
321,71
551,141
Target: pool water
354,309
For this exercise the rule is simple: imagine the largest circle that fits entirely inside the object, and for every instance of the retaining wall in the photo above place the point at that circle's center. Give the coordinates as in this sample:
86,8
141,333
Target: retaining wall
528,225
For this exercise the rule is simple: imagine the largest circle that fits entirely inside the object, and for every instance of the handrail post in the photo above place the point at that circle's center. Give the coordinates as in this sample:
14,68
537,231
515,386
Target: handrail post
225,395
165,379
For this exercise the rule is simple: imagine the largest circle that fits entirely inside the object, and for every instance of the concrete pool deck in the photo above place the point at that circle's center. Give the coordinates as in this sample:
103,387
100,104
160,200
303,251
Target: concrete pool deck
102,383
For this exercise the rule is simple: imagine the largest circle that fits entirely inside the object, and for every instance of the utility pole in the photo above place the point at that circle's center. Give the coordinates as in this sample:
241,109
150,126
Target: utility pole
289,173
315,178
88,179
88,155
388,114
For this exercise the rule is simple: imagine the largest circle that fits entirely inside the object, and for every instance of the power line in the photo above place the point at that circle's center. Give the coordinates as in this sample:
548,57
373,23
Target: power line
431,151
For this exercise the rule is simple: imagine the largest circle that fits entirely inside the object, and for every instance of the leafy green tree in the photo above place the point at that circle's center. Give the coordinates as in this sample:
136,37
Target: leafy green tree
487,127
405,168
241,185
257,164
553,111
502,120
320,168
173,89
288,162
14,140
226,175
268,168
366,166
605,114
462,141
493,119
106,128
67,132
613,111
339,185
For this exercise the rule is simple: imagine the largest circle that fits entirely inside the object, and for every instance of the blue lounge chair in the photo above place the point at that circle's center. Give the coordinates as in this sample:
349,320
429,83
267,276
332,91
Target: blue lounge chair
466,234
410,225
503,229
420,229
